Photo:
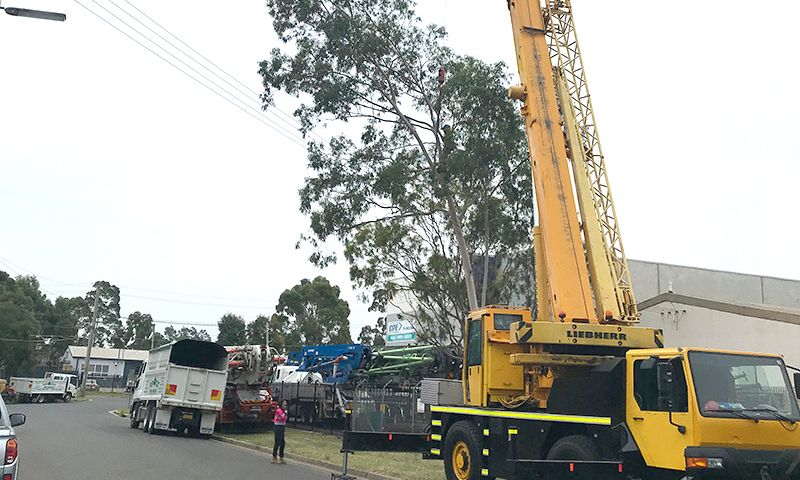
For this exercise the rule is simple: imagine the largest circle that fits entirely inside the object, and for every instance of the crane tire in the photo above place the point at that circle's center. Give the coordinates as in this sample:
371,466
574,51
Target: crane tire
462,454
574,447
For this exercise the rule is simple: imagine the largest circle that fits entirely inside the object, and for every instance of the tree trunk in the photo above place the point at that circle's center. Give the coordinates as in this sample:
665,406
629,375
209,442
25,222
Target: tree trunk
485,285
463,251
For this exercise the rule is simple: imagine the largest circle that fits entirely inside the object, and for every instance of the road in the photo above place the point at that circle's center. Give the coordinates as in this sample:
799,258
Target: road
82,440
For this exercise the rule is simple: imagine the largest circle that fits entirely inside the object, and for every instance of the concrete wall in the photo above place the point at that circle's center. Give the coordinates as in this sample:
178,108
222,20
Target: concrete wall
692,326
651,279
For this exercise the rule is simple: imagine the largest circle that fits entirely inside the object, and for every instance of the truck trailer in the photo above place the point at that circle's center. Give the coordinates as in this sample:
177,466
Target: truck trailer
180,387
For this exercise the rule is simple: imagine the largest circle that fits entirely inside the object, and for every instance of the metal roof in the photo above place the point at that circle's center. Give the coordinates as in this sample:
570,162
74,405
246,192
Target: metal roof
108,353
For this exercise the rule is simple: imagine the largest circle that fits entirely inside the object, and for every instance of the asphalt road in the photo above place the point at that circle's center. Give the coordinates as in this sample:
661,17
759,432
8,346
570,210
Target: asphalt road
82,440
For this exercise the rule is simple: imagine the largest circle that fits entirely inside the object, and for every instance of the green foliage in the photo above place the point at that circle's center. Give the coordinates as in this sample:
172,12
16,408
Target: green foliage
278,325
109,331
374,336
440,176
172,335
232,330
18,331
138,329
316,314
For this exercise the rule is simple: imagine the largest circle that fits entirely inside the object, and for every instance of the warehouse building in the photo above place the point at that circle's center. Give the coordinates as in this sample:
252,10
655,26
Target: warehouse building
698,307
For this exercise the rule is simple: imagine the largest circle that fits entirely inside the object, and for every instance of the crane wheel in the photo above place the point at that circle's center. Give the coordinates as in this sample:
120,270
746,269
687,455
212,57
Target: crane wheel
574,447
462,455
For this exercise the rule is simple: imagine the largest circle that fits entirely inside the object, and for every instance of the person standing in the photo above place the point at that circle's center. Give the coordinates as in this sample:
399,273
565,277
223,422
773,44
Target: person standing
279,428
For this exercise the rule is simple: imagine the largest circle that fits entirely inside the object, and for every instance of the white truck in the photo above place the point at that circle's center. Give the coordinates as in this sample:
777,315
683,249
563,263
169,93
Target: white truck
180,388
54,386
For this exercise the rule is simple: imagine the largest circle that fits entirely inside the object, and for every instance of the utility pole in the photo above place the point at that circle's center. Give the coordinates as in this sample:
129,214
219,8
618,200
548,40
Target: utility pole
91,341
152,334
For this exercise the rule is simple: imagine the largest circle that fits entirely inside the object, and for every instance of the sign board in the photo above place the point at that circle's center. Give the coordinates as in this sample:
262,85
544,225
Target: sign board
399,331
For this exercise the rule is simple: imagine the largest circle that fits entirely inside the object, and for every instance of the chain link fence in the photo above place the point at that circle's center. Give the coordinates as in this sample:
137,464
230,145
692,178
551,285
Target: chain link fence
391,409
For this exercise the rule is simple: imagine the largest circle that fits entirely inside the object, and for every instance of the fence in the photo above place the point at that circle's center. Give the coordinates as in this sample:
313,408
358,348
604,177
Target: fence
391,409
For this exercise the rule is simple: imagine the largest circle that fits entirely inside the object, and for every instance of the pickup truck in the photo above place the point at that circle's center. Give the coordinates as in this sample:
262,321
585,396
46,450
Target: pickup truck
180,388
54,386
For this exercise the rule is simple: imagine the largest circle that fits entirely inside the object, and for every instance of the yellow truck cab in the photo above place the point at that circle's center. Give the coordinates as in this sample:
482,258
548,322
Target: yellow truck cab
714,413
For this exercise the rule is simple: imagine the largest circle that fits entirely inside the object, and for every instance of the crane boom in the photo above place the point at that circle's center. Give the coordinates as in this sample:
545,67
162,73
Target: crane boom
608,265
566,272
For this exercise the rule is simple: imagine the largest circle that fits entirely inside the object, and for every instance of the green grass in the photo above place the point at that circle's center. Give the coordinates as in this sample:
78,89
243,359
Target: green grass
123,412
406,466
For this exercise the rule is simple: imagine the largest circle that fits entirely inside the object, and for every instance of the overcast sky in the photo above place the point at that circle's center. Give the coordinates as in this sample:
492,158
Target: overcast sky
116,166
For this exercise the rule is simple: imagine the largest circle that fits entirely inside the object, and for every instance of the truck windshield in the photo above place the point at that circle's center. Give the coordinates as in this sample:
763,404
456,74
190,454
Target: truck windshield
728,384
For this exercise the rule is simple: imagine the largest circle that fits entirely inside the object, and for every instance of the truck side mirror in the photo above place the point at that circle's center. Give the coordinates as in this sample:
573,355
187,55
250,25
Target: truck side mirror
797,384
667,395
666,390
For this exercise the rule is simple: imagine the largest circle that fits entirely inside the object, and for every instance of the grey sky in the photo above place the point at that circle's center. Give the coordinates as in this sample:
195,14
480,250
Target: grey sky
116,166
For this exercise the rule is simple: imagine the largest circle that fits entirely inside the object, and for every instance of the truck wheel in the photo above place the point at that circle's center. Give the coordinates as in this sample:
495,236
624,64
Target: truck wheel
67,397
462,456
150,420
132,414
574,447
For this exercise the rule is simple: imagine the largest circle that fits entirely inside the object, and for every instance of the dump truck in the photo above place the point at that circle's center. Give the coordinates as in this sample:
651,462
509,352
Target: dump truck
54,386
180,387
576,389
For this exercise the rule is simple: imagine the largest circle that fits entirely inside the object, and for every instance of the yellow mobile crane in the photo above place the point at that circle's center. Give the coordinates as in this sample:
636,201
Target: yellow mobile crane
580,390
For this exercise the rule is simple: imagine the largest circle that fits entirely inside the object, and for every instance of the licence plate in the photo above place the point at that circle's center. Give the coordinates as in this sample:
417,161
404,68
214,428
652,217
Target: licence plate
255,409
187,416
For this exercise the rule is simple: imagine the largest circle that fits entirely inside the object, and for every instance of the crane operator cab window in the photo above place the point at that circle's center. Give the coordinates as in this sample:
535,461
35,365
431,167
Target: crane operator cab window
474,343
503,321
645,386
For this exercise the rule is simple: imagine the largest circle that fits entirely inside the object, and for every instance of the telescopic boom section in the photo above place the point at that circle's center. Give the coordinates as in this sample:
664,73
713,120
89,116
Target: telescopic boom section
566,272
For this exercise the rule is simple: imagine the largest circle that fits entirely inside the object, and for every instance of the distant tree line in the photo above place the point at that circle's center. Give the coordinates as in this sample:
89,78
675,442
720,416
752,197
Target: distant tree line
37,331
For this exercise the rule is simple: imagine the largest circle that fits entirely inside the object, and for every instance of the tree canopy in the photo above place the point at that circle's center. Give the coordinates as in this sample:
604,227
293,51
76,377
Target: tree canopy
232,330
316,315
439,180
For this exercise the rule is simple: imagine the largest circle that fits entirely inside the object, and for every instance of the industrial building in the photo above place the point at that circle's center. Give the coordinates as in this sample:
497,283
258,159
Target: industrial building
698,307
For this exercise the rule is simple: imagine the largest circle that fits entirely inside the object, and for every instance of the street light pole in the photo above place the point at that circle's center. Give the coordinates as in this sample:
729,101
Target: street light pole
40,14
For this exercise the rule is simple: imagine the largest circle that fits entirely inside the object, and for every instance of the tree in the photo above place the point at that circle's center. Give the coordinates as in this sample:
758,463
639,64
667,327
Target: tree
374,336
109,331
316,313
257,329
138,330
173,335
232,330
440,170
18,331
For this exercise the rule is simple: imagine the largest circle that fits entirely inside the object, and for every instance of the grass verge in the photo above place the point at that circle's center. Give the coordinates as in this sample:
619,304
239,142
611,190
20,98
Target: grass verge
123,412
407,466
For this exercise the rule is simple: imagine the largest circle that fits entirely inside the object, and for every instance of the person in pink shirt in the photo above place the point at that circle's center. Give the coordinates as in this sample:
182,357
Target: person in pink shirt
279,428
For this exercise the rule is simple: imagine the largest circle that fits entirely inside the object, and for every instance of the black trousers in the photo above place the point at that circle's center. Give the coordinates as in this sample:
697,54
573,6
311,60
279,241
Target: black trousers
280,441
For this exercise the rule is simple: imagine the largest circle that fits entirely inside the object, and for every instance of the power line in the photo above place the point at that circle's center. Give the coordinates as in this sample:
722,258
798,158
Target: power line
194,303
293,139
294,122
187,56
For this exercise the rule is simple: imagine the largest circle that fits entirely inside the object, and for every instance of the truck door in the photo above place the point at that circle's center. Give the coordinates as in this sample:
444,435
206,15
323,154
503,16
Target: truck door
472,367
659,440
